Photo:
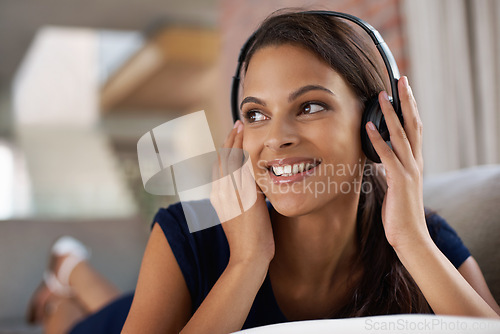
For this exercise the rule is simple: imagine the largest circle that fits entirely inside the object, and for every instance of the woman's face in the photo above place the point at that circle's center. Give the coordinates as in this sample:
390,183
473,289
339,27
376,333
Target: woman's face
302,130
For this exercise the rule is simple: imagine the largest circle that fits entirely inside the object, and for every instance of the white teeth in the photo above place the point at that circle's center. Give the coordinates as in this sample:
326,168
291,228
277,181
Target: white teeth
278,170
289,170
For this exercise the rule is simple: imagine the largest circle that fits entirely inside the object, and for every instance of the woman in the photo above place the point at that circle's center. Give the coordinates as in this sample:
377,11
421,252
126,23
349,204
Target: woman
330,254
357,250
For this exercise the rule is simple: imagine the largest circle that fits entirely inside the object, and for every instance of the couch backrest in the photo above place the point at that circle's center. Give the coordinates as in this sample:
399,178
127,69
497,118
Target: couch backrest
469,200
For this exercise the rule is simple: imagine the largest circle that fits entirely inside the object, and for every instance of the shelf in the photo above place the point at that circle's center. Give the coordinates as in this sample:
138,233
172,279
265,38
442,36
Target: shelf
175,70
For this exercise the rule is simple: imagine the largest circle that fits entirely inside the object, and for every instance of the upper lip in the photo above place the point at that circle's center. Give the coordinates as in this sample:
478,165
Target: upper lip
291,161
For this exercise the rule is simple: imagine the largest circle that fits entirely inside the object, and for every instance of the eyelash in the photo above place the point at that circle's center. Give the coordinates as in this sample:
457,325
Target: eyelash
316,103
248,115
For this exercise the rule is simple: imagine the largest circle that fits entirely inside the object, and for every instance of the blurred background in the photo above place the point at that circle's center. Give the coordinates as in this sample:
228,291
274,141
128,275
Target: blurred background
82,81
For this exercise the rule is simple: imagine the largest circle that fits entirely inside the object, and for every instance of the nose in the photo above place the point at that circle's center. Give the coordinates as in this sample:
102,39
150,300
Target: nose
281,134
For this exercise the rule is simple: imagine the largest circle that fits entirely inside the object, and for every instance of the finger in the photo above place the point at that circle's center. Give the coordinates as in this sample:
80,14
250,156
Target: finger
238,139
223,152
399,139
230,138
413,124
231,152
226,147
221,162
248,187
216,169
214,194
384,151
236,156
235,163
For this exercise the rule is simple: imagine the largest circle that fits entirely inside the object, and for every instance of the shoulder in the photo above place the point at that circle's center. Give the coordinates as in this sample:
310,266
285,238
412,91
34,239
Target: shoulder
446,239
171,219
194,223
198,242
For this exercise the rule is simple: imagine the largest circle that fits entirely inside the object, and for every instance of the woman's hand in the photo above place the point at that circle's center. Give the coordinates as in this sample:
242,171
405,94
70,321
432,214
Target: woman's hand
403,209
246,223
446,291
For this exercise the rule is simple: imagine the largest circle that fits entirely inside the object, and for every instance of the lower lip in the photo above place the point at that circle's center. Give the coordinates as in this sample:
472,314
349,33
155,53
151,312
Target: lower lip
293,178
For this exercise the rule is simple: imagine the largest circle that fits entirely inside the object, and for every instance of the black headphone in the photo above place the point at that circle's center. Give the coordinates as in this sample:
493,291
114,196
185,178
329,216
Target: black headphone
372,110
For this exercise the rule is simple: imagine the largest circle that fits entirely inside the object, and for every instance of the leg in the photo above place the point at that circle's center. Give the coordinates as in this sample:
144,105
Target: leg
91,289
61,315
70,275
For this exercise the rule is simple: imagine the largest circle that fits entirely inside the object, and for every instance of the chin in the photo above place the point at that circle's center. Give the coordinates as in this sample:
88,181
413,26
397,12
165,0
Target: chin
290,205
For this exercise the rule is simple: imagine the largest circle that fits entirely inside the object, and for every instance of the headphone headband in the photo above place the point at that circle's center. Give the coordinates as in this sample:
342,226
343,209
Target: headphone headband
380,44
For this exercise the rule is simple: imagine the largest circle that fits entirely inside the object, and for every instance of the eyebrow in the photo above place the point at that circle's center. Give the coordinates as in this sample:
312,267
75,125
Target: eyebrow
251,99
294,95
305,89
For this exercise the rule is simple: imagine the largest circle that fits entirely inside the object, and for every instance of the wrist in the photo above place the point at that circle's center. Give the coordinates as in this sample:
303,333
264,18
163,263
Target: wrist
409,235
256,262
253,269
406,249
258,254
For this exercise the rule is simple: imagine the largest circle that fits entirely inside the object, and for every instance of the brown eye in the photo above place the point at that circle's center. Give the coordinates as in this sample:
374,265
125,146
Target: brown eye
253,116
311,108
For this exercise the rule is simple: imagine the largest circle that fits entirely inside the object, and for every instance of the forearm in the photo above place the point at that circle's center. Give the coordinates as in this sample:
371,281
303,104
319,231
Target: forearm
444,288
226,307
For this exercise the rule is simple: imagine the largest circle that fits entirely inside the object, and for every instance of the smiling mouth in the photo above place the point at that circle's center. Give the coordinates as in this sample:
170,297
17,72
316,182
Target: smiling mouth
287,170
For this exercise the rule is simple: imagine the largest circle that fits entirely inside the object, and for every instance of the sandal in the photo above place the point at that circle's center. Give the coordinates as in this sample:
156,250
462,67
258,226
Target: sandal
57,283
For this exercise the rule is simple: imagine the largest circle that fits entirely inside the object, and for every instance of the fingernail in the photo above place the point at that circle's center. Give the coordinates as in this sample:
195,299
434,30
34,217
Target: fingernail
406,84
236,124
240,127
385,96
405,81
371,126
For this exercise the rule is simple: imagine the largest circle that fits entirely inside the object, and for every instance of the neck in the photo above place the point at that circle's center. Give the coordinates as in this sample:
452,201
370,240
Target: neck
316,249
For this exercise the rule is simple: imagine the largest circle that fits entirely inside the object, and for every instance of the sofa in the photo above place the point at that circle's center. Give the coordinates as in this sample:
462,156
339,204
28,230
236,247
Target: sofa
469,199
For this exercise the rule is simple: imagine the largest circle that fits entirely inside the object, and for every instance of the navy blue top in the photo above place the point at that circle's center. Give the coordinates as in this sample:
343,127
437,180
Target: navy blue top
202,257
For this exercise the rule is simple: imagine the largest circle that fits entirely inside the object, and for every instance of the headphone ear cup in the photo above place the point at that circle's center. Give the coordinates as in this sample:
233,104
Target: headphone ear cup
373,113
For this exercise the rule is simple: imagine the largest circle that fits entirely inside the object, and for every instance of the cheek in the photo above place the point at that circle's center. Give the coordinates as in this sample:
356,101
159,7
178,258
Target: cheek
248,143
356,133
252,146
343,137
